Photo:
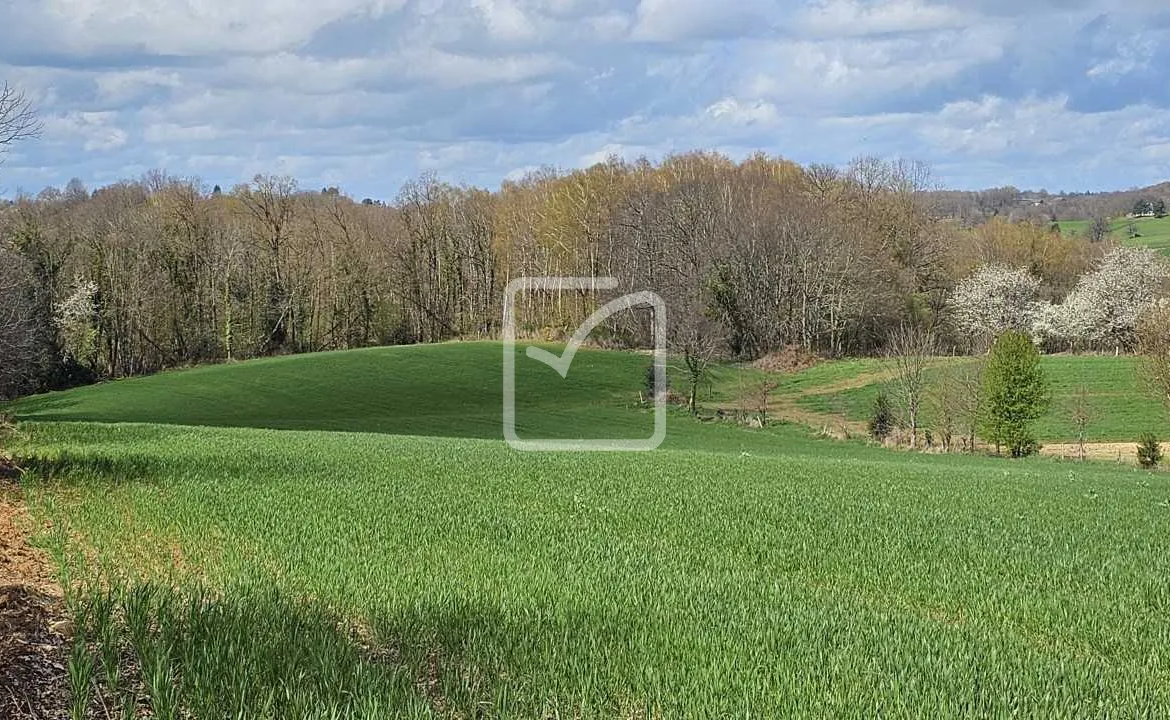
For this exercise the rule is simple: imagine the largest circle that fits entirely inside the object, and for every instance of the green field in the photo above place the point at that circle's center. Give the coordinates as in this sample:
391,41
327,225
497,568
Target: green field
1153,232
1121,409
346,535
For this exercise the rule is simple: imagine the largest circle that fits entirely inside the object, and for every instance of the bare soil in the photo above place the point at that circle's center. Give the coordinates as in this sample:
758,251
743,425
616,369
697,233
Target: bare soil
1125,453
34,629
789,360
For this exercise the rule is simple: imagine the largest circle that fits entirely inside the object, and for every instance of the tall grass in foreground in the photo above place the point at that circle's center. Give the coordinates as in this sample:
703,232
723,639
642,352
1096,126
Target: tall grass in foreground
261,574
187,652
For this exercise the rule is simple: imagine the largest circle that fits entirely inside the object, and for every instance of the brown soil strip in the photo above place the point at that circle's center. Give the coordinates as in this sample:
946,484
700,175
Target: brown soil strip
33,625
1125,453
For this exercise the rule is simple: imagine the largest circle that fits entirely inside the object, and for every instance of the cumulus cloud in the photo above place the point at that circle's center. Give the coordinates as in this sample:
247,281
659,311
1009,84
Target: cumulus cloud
852,18
177,27
365,93
95,131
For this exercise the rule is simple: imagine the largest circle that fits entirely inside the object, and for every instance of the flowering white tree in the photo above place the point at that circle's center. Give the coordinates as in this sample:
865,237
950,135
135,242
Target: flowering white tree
1049,324
1107,303
75,319
995,298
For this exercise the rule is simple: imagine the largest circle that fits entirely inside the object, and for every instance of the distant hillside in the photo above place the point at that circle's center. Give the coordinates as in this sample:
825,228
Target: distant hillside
976,207
1136,232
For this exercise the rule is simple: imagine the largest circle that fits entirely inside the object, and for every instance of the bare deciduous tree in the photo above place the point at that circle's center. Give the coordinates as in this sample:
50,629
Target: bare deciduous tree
942,400
18,119
1099,229
1153,344
911,348
21,324
1081,413
761,393
21,342
955,399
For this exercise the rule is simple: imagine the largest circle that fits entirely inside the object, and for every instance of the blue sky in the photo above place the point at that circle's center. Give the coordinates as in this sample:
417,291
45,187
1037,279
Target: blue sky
1059,94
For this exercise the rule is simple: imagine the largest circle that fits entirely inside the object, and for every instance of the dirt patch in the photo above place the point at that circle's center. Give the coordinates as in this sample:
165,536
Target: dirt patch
33,679
20,562
791,359
33,624
1125,453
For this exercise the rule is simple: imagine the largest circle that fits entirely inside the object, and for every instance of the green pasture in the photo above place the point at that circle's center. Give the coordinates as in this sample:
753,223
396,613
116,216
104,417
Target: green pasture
347,536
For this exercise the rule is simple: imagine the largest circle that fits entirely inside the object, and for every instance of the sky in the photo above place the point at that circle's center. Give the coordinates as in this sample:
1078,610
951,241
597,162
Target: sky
365,94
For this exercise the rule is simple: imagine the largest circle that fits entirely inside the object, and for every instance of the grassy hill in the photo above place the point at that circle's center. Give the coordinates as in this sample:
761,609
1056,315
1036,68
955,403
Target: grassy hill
264,564
1153,232
451,390
1121,409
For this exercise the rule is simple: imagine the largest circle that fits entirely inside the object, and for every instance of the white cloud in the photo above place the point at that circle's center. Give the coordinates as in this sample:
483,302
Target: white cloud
602,154
1134,54
518,174
456,71
610,26
173,133
992,126
853,18
363,93
120,87
826,72
506,20
188,27
735,112
673,20
97,131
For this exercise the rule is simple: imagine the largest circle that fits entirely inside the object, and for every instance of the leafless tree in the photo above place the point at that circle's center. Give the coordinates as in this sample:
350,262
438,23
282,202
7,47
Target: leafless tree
271,201
18,118
763,391
696,339
943,400
1099,229
968,380
955,401
21,342
911,348
1081,412
692,223
22,335
1153,344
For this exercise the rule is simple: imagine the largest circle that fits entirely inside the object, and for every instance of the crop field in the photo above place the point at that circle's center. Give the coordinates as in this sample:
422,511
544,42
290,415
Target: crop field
1152,232
346,535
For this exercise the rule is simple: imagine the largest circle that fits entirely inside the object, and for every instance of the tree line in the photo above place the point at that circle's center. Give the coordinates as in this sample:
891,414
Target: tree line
751,257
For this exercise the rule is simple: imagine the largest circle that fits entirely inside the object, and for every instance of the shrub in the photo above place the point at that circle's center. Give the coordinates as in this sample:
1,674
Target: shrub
881,419
1015,394
1149,451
